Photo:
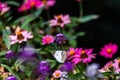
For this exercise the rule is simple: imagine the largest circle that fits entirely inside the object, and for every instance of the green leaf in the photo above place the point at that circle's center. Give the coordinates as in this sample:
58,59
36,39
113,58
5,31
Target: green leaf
11,71
88,18
52,62
107,73
2,53
73,43
80,34
37,13
13,3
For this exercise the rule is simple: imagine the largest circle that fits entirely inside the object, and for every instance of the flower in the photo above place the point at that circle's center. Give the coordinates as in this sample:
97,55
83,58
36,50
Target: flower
20,36
109,50
9,54
60,39
116,65
47,3
67,66
29,4
57,74
83,56
64,75
91,70
48,39
11,78
60,20
3,8
44,68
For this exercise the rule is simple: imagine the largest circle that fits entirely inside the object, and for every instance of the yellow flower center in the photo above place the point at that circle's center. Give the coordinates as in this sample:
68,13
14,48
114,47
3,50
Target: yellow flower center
44,1
71,52
32,4
57,74
109,50
47,39
82,52
19,35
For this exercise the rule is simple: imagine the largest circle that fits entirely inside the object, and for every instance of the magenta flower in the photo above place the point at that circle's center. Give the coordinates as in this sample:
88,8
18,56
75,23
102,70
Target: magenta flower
48,39
109,50
30,4
116,65
60,20
84,56
4,8
47,3
20,36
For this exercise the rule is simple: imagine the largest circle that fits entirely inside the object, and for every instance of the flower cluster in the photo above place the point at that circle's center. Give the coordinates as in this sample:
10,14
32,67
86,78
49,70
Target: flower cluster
35,48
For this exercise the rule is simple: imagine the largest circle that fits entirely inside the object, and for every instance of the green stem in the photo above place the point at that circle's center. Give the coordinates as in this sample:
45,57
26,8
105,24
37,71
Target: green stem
81,9
48,14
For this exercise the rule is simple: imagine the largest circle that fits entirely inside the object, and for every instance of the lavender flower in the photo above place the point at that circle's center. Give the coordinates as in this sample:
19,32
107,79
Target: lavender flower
9,54
11,78
44,69
67,66
64,75
92,72
60,39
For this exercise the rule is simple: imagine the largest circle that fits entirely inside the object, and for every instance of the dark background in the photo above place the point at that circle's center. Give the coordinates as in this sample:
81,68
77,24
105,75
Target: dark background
102,31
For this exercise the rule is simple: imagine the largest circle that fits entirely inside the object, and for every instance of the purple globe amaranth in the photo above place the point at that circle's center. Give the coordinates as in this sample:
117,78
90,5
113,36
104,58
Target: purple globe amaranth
9,54
67,66
44,68
60,39
11,78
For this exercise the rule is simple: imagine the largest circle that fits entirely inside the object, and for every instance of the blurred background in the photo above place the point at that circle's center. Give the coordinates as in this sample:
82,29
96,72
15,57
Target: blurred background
101,31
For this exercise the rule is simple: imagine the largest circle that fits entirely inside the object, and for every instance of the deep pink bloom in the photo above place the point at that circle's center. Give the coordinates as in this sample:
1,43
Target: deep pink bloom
24,7
20,36
4,8
109,50
47,3
30,4
84,56
57,74
116,65
47,39
60,20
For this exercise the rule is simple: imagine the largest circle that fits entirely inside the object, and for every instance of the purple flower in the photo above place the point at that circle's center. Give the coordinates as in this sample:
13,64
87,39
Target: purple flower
60,39
92,70
9,54
11,78
44,69
67,66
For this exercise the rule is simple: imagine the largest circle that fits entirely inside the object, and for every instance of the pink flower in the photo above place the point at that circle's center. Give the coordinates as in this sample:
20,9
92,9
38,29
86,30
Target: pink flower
83,56
47,3
24,7
3,8
60,20
47,39
20,36
116,65
109,50
57,74
108,67
30,4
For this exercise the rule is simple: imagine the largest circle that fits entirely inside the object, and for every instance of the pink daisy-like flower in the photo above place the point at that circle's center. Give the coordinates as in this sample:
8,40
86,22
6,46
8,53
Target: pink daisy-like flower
47,39
83,56
29,4
108,67
3,8
116,65
109,50
57,74
47,3
20,36
60,20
